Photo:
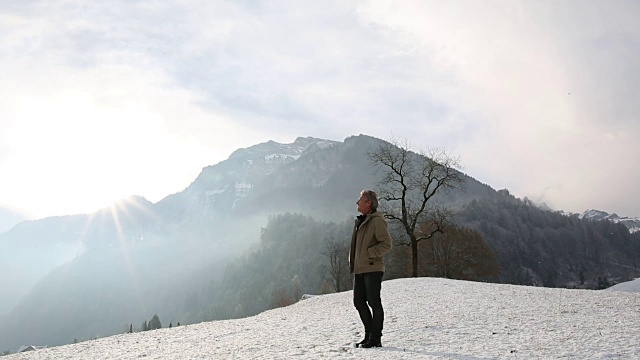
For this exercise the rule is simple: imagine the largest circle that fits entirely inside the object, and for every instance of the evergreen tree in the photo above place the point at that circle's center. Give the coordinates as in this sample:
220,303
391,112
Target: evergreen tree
154,323
545,248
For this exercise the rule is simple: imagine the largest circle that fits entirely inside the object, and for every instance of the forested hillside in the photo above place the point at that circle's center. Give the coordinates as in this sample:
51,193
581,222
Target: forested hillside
532,247
545,248
291,259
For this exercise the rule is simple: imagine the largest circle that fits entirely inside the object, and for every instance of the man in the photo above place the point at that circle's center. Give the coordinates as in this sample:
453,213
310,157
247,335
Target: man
369,243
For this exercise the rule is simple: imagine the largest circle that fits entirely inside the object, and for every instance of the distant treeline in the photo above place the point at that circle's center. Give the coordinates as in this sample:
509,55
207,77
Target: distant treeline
526,246
294,258
545,248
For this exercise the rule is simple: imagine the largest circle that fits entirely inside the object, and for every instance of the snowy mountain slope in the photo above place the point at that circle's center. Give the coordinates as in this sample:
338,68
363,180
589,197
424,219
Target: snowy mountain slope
633,224
426,318
223,185
630,286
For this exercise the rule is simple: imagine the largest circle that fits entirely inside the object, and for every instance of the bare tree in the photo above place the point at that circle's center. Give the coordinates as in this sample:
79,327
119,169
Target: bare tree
338,254
459,253
409,184
296,287
280,298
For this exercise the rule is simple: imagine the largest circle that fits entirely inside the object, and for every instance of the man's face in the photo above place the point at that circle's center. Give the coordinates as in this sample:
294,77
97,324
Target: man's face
364,205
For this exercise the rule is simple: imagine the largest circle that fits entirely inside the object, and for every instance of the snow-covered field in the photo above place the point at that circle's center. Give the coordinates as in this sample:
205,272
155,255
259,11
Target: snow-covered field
632,286
426,318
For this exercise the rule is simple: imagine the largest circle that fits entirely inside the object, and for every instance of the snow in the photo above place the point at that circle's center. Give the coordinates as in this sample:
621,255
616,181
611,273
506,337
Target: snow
426,318
633,224
243,188
632,286
281,157
214,192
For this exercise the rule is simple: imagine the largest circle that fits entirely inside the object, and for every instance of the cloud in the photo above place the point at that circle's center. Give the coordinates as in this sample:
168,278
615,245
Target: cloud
546,99
99,122
536,97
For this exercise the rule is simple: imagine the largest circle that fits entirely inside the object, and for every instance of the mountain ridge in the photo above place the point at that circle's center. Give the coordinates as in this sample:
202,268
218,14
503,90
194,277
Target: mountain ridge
174,251
633,224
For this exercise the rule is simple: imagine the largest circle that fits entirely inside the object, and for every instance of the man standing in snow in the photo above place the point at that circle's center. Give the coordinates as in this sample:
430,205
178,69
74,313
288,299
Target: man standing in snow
369,243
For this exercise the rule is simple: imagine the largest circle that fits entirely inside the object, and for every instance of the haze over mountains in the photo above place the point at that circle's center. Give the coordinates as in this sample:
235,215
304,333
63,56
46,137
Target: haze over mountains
9,218
83,276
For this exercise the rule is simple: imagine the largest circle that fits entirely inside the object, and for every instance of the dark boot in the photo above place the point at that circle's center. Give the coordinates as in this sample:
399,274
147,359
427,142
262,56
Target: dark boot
373,342
364,341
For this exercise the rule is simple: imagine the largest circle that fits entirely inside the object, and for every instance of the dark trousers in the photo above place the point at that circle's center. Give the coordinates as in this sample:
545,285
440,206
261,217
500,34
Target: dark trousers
366,293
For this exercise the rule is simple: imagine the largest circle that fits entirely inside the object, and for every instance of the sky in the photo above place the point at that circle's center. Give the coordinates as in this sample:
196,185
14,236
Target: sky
103,100
425,318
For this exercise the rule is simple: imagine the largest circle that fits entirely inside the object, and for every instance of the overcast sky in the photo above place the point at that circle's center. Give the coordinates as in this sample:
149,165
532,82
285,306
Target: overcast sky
100,100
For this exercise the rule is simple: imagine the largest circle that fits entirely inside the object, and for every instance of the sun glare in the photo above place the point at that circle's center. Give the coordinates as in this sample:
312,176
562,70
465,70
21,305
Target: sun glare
118,215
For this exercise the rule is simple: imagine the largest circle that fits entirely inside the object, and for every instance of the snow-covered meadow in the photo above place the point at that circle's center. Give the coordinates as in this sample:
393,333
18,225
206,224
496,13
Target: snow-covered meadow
426,318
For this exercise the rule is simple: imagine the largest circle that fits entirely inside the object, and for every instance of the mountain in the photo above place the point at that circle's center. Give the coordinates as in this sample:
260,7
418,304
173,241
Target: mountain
633,224
9,218
35,248
136,257
221,188
425,318
38,246
84,276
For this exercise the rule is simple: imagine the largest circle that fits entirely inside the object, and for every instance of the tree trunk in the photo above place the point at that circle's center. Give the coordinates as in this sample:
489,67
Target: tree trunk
414,257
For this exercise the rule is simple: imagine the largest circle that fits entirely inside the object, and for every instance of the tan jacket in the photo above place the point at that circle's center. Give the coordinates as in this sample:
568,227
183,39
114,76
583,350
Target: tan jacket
369,243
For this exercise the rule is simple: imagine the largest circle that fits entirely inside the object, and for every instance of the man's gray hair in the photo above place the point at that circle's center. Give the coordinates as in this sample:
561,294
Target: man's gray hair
371,196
